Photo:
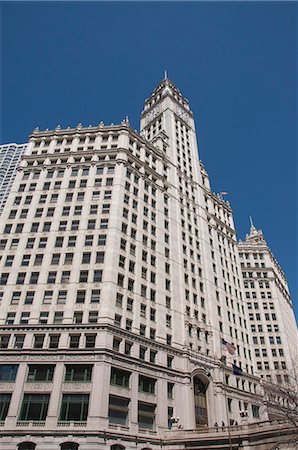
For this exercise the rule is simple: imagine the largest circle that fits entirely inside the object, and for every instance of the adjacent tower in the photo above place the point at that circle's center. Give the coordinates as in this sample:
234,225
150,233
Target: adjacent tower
10,158
270,310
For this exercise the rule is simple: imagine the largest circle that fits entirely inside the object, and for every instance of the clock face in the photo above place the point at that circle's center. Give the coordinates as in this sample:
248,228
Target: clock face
152,114
181,113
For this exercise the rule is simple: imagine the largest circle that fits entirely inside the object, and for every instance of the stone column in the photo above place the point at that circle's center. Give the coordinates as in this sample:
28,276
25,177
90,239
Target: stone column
55,400
16,398
162,404
99,399
134,403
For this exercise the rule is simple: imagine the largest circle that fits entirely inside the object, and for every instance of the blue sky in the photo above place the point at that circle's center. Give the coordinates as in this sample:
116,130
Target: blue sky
65,63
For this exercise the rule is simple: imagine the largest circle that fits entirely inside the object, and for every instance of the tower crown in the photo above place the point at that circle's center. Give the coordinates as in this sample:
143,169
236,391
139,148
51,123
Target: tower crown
166,88
254,234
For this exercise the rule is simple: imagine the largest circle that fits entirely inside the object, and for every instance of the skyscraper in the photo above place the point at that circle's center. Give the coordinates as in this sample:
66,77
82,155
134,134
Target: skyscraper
270,309
10,158
122,308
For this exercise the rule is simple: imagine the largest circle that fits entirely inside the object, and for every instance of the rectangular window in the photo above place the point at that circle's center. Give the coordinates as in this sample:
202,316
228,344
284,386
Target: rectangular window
38,340
74,341
34,407
40,372
78,373
54,341
58,317
90,340
74,407
119,377
4,405
146,415
118,410
8,372
95,296
146,384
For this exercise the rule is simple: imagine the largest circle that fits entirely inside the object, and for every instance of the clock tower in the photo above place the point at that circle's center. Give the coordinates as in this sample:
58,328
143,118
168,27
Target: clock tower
165,111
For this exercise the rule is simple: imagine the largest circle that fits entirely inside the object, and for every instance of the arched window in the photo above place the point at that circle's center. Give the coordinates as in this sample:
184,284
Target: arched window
69,446
117,447
27,446
200,389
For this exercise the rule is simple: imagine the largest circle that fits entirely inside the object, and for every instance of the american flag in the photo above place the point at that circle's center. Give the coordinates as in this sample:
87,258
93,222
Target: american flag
229,347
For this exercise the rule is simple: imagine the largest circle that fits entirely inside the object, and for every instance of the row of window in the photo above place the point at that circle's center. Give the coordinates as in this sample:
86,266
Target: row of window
90,240
46,226
64,446
22,278
251,284
267,316
271,339
262,294
66,210
87,258
76,340
74,407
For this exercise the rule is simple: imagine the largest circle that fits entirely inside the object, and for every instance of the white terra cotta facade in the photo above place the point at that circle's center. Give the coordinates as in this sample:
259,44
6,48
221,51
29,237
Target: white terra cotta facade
120,276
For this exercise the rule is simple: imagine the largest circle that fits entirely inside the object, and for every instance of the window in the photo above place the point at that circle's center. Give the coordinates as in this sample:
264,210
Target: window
15,298
72,241
88,240
19,341
83,276
38,340
146,415
74,341
119,377
65,276
8,372
9,260
34,407
93,317
59,241
69,446
54,341
61,298
75,225
40,372
99,257
78,373
77,317
58,317
74,407
170,390
81,295
43,317
4,340
38,259
97,276
95,296
146,384
104,223
10,318
118,410
52,277
90,340
4,405
34,276
255,411
68,258
43,242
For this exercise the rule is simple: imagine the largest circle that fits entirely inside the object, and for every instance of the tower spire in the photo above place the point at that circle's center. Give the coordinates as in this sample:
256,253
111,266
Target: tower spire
251,222
165,75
